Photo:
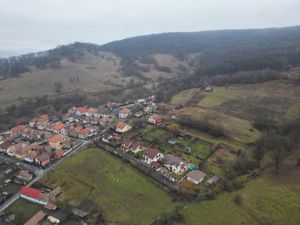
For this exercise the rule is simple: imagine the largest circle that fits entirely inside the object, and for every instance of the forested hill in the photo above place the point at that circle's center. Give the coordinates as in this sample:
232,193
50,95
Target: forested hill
194,42
222,52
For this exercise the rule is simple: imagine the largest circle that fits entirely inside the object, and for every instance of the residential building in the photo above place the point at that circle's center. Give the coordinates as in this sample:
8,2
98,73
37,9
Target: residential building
43,159
155,119
124,113
122,127
152,155
23,177
196,176
175,164
56,141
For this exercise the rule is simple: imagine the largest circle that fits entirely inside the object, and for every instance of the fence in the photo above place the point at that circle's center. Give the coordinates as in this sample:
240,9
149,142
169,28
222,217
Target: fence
141,166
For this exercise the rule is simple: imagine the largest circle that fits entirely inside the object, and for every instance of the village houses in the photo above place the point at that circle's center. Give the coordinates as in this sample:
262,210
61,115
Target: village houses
152,155
122,127
124,113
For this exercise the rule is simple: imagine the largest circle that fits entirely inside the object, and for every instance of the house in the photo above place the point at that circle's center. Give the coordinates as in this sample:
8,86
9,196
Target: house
59,154
56,141
58,128
208,88
43,159
175,164
212,180
18,130
4,146
196,176
105,121
155,165
34,146
73,110
131,145
82,111
149,108
15,149
33,195
36,196
22,152
102,112
155,119
124,113
152,155
84,133
44,118
23,177
41,125
30,157
122,127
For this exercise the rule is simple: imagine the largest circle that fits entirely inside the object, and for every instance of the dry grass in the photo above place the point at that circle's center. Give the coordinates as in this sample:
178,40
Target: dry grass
237,128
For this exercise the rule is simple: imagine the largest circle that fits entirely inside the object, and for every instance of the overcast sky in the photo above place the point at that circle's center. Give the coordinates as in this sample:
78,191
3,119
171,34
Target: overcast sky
31,25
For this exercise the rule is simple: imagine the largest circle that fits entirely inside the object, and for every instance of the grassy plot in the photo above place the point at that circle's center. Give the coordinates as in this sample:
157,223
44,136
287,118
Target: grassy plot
23,210
216,163
292,113
122,193
200,150
278,98
185,96
270,199
206,137
220,95
237,128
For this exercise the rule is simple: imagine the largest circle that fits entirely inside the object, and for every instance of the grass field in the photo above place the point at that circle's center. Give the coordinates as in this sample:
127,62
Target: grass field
237,128
292,113
205,136
160,137
266,200
186,96
279,99
122,193
220,95
23,210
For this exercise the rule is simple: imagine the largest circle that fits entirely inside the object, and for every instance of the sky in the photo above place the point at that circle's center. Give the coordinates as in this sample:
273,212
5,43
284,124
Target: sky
35,25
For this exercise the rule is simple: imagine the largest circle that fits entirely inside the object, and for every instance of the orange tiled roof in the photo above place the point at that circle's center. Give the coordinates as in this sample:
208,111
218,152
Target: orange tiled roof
58,126
19,128
44,117
121,125
85,131
56,138
83,109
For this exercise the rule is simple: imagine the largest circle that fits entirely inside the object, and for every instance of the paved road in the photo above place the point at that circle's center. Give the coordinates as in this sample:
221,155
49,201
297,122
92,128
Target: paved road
42,173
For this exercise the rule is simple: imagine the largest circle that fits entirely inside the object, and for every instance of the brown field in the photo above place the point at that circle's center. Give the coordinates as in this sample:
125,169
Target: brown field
278,99
237,128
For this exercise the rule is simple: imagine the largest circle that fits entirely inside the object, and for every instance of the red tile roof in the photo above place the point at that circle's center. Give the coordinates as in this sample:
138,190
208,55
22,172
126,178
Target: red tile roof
125,111
58,126
19,128
151,152
56,138
30,192
84,131
121,125
44,117
83,109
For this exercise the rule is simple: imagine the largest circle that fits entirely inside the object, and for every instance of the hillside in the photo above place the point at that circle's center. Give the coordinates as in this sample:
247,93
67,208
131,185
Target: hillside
189,59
